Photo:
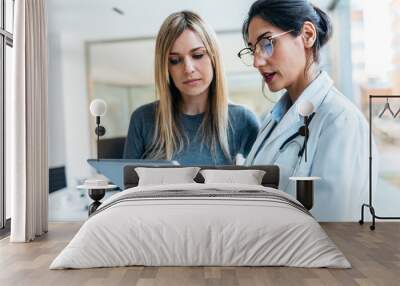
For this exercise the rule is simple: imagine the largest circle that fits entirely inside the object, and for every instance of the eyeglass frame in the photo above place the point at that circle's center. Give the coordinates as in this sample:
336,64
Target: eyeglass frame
262,37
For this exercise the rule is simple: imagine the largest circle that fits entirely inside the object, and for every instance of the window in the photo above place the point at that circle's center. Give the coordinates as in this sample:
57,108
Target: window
6,43
376,71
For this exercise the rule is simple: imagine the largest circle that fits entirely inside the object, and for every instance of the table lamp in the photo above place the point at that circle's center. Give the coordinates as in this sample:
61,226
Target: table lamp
98,108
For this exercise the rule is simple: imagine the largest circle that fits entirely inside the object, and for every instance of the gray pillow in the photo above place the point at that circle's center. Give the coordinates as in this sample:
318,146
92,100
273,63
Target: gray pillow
163,176
248,177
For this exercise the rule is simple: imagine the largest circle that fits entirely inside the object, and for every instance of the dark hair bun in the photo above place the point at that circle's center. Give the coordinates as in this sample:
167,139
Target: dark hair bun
324,26
291,15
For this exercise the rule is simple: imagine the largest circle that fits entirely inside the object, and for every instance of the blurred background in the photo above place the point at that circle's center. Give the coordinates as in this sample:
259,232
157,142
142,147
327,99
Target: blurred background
105,49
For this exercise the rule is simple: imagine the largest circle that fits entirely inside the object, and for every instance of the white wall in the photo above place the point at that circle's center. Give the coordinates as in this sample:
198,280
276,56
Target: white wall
56,140
76,109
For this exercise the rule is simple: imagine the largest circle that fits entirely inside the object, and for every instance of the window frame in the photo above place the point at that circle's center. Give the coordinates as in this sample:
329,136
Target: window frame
6,39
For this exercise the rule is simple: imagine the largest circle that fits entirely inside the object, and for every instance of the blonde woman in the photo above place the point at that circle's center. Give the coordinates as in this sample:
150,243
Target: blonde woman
192,122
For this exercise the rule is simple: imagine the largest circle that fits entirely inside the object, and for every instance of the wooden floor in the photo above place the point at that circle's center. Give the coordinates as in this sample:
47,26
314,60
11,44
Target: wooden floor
374,255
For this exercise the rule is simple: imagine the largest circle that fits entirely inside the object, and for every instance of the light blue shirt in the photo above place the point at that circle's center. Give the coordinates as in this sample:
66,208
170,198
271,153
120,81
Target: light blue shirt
337,150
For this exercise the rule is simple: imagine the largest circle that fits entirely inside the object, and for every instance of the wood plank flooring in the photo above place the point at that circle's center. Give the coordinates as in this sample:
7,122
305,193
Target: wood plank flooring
374,255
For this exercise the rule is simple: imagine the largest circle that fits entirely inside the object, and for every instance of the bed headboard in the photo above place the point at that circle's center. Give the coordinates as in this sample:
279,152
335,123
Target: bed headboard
270,179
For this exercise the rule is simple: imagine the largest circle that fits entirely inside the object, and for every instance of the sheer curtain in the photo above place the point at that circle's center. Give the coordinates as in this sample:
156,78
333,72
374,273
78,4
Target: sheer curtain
27,152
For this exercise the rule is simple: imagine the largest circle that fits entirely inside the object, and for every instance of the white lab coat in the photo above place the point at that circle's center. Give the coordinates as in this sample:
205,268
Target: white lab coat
337,151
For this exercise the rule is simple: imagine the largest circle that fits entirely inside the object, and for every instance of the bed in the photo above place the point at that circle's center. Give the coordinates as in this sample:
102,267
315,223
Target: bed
201,224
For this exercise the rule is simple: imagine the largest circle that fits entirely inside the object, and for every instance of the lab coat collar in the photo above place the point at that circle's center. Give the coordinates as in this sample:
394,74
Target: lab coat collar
281,107
315,92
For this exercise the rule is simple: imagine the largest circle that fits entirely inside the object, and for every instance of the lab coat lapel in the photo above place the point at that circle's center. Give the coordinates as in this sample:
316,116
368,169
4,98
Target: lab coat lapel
290,121
317,90
265,129
315,93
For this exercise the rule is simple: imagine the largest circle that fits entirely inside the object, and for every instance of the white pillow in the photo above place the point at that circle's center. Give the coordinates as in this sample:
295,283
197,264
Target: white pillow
248,177
164,176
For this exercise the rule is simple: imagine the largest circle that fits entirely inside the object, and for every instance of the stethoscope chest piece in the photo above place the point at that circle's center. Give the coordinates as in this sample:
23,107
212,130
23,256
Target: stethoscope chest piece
302,131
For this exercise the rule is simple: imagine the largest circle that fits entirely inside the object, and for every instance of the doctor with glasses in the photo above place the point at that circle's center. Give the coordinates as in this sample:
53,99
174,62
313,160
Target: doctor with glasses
283,39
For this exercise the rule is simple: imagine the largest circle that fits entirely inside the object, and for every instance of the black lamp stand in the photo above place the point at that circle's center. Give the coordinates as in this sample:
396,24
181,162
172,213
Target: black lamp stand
100,131
305,193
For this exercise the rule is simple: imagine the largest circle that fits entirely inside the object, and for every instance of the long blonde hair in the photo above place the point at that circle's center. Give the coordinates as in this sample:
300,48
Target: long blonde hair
168,137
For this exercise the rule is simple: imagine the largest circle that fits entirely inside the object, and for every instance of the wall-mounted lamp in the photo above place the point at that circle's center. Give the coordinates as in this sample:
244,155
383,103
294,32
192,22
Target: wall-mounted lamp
98,108
306,109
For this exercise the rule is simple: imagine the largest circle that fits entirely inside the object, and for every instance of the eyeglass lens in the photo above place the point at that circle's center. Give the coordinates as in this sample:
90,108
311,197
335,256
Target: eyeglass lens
264,47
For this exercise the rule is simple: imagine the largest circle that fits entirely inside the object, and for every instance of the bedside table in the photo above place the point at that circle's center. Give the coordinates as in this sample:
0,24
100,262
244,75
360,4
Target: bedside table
305,190
96,193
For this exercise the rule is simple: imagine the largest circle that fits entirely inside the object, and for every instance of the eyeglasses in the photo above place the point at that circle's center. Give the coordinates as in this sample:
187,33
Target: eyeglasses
263,47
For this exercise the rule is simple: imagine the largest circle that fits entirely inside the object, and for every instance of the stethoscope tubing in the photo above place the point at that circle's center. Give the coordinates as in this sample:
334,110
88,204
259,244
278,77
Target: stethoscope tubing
289,139
300,132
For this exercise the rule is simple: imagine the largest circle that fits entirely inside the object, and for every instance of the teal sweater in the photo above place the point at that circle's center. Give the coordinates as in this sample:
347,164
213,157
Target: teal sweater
243,129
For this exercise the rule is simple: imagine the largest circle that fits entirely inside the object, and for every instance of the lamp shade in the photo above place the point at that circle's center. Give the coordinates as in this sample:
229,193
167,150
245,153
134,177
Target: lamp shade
98,107
305,108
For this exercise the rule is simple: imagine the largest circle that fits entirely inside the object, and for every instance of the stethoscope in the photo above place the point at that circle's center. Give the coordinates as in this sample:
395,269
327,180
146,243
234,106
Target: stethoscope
303,131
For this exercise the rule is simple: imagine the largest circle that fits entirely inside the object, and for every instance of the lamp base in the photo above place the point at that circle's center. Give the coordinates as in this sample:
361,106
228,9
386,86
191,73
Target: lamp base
305,193
305,190
96,195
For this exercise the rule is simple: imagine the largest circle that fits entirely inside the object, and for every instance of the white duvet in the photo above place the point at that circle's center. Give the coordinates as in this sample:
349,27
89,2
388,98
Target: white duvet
206,230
